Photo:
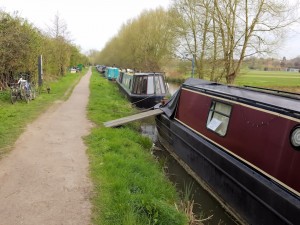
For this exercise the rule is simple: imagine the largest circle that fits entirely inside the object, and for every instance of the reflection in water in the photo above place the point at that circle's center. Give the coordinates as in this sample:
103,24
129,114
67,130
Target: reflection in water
173,87
206,205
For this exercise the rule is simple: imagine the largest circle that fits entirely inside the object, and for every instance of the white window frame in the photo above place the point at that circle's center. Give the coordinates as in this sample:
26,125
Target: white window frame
219,117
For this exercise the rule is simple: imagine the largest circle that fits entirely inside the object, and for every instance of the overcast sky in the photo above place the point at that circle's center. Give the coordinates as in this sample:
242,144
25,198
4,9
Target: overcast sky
93,22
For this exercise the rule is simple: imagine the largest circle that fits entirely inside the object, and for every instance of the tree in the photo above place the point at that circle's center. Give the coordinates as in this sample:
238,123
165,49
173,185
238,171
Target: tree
142,43
60,34
92,55
283,62
20,46
230,31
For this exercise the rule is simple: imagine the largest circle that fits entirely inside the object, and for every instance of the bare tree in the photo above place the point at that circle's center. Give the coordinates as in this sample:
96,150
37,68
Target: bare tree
228,31
58,28
60,34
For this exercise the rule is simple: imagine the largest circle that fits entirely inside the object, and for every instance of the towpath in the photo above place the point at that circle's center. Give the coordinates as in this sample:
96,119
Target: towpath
44,180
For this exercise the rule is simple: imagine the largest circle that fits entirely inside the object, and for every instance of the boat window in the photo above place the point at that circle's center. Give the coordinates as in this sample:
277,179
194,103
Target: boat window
144,87
159,85
162,85
127,81
121,77
140,85
150,88
218,117
136,84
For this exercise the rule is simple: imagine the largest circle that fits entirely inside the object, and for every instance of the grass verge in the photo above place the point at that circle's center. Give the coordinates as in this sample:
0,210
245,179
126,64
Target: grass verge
15,117
129,185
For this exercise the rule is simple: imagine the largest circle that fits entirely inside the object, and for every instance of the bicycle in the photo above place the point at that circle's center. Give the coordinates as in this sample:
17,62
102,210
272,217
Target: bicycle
14,92
23,90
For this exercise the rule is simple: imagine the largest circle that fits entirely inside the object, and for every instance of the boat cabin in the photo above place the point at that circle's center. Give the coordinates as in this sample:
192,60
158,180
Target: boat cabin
143,89
111,73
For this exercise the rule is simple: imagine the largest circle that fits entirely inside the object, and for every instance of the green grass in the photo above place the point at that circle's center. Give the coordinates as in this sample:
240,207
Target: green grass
14,118
281,80
269,79
129,185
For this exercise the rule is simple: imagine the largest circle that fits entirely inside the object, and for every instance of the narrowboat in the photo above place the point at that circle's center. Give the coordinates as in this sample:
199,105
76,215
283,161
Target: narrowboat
144,90
241,143
101,69
111,73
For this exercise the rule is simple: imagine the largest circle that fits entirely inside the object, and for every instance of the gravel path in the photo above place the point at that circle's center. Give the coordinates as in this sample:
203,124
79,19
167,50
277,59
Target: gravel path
44,180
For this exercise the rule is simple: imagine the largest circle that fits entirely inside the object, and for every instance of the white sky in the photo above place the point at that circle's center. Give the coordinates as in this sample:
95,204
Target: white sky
93,22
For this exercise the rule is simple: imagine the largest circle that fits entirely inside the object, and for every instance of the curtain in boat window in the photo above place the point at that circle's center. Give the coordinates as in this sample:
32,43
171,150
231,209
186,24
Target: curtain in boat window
144,85
149,85
140,85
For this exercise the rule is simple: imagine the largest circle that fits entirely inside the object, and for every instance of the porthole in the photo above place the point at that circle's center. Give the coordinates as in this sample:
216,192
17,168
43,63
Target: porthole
295,137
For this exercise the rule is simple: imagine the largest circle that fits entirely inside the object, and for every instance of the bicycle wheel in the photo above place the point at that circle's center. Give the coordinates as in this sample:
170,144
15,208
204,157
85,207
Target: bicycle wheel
25,95
13,95
33,93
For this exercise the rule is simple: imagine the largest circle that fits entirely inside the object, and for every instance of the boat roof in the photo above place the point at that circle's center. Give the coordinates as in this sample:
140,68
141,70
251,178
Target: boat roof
148,73
261,97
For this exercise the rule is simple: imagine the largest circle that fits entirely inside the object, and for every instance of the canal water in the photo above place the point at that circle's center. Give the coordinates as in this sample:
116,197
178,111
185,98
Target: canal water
205,205
173,87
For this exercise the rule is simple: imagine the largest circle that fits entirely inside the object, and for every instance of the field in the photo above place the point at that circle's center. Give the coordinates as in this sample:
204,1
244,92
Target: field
272,79
281,80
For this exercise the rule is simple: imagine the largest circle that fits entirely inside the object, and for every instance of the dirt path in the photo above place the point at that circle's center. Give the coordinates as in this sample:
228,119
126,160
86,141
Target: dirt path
44,180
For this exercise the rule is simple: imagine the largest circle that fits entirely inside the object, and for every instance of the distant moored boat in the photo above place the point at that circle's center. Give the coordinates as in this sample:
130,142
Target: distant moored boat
112,73
143,89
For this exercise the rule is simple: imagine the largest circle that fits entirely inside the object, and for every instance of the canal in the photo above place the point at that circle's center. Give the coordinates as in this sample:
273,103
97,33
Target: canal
205,205
173,87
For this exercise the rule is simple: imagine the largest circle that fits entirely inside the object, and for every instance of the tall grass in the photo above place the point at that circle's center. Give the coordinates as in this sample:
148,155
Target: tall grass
129,185
13,118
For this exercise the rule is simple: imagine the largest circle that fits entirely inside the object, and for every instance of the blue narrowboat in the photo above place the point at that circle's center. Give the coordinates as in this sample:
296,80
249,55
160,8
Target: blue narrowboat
112,73
144,90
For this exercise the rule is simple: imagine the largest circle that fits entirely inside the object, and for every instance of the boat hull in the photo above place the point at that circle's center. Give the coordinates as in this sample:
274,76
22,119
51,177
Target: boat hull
141,101
252,197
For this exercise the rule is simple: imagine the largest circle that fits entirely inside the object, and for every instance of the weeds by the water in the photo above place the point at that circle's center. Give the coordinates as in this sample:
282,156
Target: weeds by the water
187,205
129,187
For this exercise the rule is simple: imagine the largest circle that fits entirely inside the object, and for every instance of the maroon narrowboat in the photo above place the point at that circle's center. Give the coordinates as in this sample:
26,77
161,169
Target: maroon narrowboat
243,143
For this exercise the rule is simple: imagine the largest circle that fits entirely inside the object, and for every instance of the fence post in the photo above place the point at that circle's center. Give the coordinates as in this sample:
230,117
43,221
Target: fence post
40,70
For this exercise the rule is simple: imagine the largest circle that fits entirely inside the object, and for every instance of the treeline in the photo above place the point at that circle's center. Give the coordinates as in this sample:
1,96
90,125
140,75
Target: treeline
21,43
217,36
271,64
143,43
